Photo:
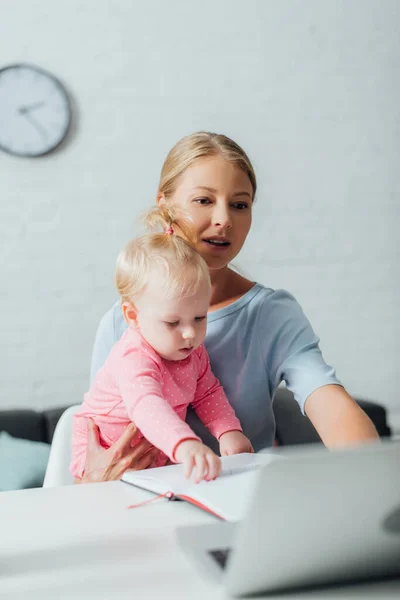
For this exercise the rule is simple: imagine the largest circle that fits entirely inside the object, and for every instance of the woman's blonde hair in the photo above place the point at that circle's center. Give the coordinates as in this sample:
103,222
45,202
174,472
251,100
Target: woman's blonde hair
199,145
166,255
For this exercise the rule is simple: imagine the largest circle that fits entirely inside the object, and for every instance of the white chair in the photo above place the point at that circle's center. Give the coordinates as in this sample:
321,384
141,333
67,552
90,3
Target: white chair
57,472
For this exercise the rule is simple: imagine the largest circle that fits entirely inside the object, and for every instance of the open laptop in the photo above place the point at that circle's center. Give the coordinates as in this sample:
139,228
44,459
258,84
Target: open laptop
316,517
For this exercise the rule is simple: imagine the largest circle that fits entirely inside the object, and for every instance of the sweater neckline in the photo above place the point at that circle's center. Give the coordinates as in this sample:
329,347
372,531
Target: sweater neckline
220,313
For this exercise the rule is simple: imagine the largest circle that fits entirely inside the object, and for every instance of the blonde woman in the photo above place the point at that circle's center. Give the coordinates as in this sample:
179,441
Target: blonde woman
159,366
256,337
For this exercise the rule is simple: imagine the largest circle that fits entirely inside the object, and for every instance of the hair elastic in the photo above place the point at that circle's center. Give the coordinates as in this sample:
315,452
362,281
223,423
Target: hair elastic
169,230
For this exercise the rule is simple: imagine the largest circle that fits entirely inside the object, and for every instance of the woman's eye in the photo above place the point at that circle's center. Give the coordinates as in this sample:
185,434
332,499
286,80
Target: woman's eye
203,201
240,205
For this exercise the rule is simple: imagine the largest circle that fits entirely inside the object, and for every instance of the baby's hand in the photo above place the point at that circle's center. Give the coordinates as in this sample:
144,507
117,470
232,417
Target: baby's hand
197,457
234,442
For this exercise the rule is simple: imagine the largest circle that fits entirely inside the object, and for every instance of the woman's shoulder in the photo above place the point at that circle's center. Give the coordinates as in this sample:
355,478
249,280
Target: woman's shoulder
277,297
260,301
277,306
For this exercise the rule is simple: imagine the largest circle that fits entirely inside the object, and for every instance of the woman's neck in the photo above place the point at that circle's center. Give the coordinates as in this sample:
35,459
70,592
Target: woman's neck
226,287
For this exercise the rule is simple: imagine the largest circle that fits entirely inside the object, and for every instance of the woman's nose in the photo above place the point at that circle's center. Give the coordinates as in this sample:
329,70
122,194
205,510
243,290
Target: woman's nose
221,216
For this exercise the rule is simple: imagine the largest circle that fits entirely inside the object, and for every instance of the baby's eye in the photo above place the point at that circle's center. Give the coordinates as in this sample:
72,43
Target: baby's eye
198,319
172,324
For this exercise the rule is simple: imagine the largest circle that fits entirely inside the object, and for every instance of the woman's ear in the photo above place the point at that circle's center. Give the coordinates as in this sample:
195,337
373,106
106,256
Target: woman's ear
160,199
130,313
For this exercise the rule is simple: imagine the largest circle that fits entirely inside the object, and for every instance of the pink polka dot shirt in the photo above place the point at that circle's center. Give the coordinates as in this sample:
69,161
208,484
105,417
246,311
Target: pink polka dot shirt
136,384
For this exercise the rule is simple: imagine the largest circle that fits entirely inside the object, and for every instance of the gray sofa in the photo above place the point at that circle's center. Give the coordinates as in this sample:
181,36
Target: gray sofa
23,462
291,426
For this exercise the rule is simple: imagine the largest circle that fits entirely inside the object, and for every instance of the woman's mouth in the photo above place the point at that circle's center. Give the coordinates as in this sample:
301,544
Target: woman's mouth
218,244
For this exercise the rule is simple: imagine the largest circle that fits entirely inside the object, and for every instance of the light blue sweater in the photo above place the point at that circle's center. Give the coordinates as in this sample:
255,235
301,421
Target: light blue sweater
254,344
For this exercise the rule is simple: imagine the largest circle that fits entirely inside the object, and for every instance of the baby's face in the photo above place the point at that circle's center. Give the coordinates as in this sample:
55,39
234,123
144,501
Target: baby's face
173,327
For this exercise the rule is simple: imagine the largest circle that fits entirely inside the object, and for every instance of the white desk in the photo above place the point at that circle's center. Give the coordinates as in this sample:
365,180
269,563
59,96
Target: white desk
77,542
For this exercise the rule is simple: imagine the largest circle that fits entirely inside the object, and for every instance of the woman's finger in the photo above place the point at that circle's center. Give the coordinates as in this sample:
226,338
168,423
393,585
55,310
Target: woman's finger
141,448
144,462
143,457
93,434
126,438
136,459
123,445
148,460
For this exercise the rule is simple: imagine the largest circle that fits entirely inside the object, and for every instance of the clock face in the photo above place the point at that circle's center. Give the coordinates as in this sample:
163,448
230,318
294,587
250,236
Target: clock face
35,112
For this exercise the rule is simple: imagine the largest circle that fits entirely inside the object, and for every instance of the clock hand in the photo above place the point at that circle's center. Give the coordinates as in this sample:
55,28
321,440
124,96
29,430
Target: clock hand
23,110
35,124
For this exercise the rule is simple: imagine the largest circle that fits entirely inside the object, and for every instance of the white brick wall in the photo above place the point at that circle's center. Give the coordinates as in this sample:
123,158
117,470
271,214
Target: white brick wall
311,90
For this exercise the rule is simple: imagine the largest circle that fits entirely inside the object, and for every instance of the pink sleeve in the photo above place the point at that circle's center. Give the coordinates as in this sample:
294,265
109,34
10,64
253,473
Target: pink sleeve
210,402
140,382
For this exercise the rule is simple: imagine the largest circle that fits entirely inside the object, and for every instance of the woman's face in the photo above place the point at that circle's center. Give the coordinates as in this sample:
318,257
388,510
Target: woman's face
217,197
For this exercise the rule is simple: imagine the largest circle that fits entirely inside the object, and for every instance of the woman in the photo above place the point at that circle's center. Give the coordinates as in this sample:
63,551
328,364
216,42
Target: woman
256,337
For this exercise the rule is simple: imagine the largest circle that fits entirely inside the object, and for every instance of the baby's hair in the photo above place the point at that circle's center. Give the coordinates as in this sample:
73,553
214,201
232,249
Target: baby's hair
166,255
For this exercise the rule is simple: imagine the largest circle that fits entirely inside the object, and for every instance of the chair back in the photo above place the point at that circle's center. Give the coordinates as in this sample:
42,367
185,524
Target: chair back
57,472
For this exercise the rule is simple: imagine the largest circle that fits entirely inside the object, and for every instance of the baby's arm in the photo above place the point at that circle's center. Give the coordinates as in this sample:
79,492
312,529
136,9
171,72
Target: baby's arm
140,383
213,408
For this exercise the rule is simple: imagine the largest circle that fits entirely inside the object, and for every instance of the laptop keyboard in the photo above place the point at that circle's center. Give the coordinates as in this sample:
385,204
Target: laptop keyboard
220,556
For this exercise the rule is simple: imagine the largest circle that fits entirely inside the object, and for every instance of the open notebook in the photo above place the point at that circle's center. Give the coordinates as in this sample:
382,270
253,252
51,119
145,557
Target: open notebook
226,497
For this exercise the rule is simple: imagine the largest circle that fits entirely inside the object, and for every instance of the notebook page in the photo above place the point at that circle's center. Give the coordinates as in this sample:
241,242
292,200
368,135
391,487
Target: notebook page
227,496
171,478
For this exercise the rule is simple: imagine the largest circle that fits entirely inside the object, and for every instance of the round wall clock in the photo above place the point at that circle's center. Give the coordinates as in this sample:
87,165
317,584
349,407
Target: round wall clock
35,112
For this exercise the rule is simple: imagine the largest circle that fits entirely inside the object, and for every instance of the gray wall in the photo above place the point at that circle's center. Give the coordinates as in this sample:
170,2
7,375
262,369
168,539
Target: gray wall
309,88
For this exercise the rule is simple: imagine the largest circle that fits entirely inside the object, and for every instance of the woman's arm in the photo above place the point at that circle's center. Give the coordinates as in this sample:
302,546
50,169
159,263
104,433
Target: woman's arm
337,418
297,359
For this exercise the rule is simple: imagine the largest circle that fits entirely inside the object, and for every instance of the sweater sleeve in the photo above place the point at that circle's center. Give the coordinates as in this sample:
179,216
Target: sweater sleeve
210,402
139,379
109,331
294,353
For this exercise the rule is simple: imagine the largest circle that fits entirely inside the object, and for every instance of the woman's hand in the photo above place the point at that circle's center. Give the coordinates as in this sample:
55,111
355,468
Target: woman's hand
110,464
234,442
199,458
